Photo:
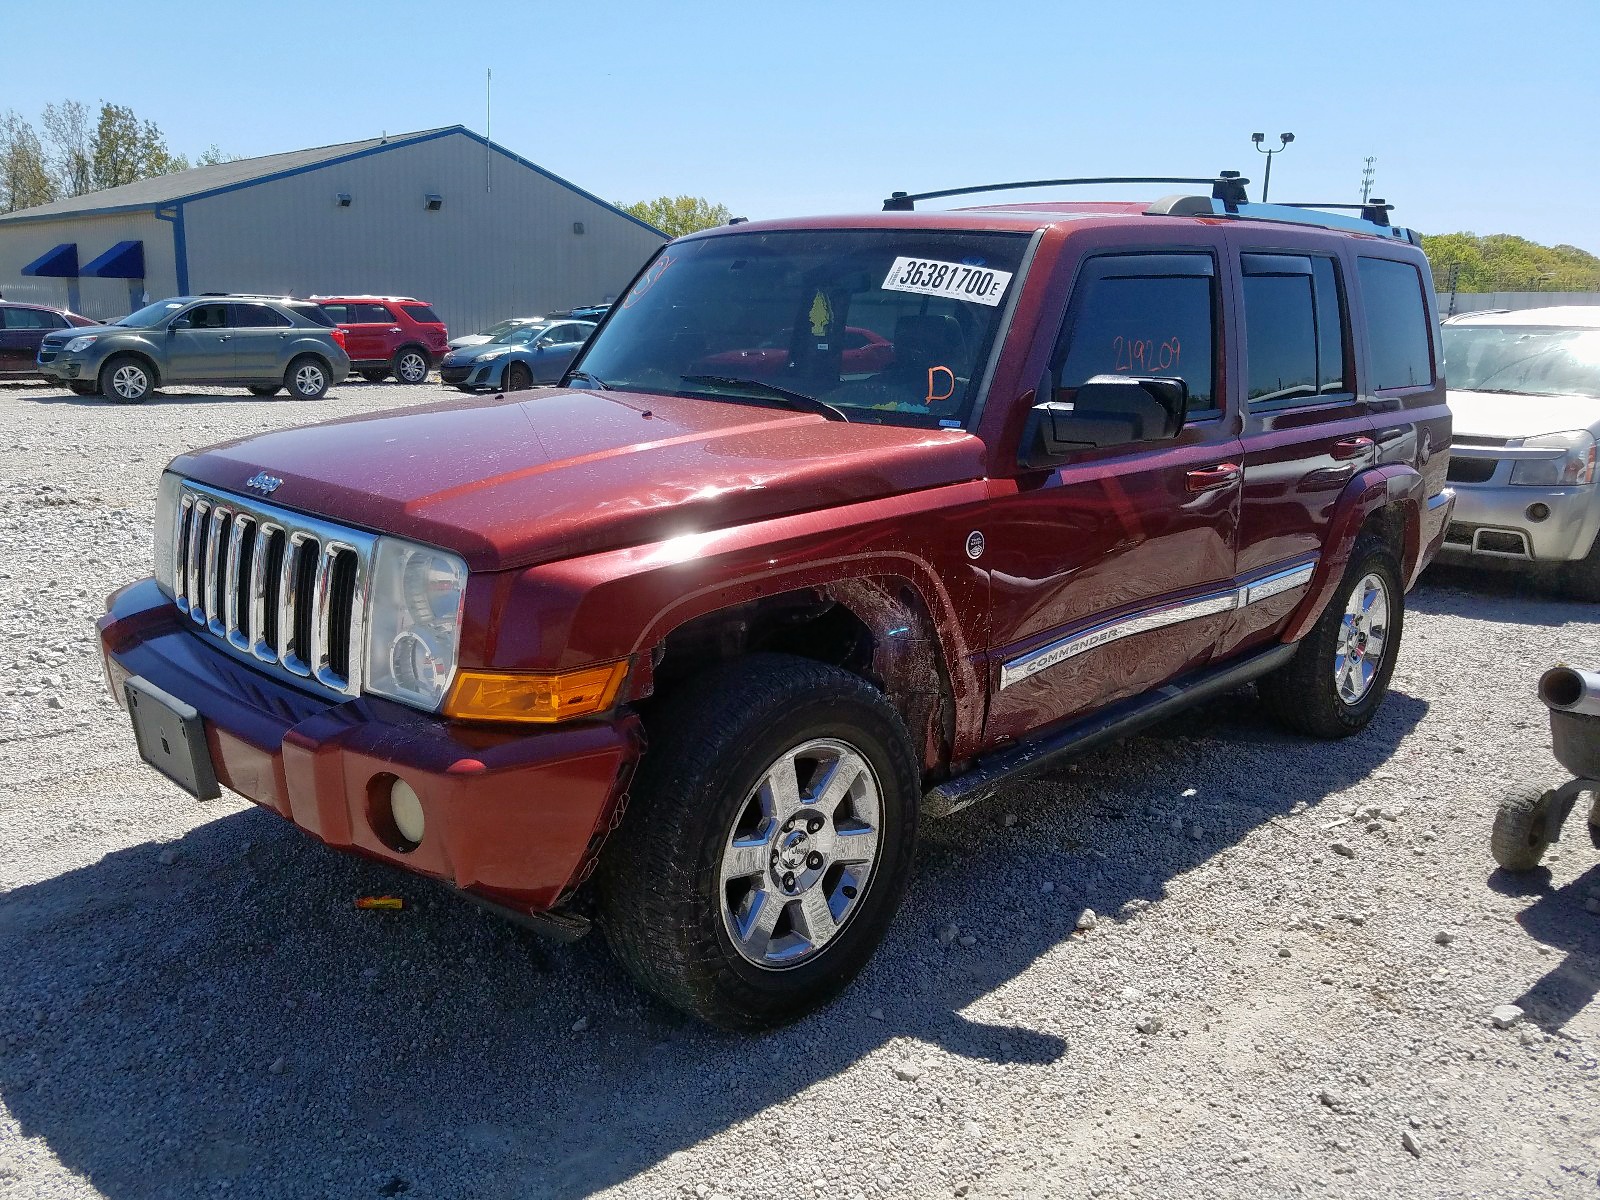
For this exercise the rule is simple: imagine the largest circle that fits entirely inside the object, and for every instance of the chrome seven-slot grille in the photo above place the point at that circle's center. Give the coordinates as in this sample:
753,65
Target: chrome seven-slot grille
284,590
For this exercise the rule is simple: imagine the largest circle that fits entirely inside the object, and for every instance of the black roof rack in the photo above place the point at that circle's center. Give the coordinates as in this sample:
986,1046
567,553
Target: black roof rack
1226,186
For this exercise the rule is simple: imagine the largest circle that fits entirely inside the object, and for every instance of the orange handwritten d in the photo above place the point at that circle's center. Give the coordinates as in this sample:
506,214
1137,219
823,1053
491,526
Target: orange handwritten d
933,373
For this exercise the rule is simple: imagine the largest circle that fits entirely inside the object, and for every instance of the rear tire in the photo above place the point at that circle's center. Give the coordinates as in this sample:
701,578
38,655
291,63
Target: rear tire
767,844
1331,687
375,376
127,379
410,365
307,378
80,387
1521,830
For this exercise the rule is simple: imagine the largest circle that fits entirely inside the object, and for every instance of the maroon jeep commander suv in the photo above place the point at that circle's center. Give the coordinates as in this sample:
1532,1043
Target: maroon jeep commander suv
694,650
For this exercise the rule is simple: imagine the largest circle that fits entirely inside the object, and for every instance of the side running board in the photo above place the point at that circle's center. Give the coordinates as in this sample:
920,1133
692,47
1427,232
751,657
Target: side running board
980,781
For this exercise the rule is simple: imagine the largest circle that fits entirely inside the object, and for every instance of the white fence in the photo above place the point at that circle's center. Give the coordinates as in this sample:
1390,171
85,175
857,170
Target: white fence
1466,302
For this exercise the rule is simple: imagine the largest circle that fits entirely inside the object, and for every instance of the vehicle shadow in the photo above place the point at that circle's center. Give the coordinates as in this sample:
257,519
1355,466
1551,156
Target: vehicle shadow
167,399
1519,598
229,1019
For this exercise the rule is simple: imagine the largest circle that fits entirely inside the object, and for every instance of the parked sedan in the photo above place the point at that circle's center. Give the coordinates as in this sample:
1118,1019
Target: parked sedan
518,358
494,331
22,328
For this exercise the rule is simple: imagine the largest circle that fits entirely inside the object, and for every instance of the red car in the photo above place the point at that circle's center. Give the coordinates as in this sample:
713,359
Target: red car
864,352
22,328
694,654
388,335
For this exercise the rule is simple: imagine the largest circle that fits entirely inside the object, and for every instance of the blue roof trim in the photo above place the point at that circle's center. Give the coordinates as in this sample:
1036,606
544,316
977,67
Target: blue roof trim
331,162
125,260
58,262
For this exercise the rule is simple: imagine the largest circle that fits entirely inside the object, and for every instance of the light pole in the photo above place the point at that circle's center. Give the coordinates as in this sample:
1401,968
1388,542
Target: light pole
1283,142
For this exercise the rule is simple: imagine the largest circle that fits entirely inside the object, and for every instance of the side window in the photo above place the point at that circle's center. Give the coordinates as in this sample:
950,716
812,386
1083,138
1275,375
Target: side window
339,314
1396,323
423,313
1143,315
1332,341
204,316
369,314
257,316
1293,327
26,318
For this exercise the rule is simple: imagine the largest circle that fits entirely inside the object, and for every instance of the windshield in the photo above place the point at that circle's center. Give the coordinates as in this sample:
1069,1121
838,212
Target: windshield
518,335
496,330
1523,360
150,315
886,325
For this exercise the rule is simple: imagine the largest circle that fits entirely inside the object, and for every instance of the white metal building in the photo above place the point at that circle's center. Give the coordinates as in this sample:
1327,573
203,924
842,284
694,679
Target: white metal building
444,215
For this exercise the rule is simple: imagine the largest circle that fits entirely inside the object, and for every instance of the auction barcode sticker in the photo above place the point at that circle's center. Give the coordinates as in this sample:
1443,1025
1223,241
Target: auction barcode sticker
930,277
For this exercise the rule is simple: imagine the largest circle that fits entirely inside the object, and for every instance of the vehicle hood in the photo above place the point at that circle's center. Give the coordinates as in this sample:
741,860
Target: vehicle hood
555,472
1494,415
461,355
77,331
470,339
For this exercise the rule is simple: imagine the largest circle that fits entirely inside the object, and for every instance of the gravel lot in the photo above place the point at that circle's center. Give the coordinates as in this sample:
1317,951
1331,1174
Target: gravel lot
190,1004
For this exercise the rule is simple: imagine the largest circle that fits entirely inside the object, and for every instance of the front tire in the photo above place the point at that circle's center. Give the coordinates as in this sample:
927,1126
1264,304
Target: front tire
307,378
518,378
410,365
1580,580
767,844
1340,672
126,379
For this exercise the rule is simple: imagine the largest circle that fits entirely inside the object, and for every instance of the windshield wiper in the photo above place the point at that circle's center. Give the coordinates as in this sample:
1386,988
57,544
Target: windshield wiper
796,400
594,379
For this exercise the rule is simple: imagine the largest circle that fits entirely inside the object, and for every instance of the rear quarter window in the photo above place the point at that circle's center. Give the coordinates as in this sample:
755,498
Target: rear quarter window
314,313
1398,338
423,313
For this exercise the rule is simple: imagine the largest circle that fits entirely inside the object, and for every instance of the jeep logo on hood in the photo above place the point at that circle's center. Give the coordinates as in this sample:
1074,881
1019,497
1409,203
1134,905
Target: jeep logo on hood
264,483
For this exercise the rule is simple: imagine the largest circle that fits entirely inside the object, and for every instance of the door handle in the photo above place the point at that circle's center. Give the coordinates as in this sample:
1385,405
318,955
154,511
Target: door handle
1352,447
225,337
396,329
1205,479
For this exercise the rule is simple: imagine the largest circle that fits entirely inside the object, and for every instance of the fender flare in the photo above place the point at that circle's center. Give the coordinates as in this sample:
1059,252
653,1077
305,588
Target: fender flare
1369,492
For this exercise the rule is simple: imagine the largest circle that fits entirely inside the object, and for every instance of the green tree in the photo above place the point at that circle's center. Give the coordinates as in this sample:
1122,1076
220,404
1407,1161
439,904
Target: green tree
125,149
1502,262
70,150
214,154
24,178
678,215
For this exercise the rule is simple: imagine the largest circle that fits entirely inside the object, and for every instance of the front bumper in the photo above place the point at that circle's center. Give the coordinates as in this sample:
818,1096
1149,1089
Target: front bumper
1492,521
513,818
475,376
65,368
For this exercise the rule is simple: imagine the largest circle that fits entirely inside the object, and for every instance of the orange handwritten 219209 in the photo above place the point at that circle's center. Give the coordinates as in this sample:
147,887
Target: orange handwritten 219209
1145,354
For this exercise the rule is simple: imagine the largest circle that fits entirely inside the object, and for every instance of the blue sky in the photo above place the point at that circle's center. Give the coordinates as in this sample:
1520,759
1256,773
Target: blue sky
1481,116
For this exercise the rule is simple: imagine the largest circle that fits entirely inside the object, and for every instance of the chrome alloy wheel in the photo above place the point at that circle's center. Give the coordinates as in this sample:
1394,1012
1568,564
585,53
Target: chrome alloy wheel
413,367
129,381
800,854
1362,636
308,379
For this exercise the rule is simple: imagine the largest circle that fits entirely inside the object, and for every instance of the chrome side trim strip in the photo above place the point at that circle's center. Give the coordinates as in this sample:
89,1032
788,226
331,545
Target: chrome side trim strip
1160,617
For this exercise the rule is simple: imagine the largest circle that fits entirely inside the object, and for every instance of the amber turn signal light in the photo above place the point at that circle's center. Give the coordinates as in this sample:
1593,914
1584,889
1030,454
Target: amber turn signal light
526,696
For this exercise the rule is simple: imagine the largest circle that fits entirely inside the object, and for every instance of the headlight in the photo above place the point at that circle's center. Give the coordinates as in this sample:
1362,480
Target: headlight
80,343
413,622
166,529
488,354
1574,466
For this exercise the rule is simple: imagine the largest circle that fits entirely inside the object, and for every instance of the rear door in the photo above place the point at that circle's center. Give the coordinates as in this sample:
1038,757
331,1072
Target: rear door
1114,572
260,342
199,345
1306,431
369,331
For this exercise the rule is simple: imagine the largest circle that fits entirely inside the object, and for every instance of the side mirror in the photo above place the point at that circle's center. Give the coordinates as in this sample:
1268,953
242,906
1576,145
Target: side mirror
1108,410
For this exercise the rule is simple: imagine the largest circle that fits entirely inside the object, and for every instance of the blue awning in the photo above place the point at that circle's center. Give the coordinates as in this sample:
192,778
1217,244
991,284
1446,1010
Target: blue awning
59,262
125,260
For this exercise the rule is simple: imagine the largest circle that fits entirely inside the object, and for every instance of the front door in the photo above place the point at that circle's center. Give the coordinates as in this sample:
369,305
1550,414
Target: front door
554,350
1306,433
369,332
260,339
1114,572
199,345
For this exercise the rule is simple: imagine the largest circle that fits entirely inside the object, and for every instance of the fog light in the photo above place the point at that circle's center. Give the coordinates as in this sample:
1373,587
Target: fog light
1538,512
406,809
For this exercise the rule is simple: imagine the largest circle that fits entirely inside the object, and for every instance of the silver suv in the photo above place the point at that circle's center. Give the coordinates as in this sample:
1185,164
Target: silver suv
261,343
1524,389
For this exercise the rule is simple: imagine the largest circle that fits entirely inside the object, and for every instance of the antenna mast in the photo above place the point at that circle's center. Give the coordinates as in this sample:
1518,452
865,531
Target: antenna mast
1368,171
488,77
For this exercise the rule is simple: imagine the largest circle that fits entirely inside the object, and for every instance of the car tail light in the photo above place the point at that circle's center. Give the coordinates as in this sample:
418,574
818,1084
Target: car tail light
338,337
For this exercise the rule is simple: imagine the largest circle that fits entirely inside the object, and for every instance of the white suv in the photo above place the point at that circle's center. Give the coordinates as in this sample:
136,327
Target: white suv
1524,389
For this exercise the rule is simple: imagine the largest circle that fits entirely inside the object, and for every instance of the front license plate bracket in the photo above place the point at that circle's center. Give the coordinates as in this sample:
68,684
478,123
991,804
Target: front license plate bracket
171,738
